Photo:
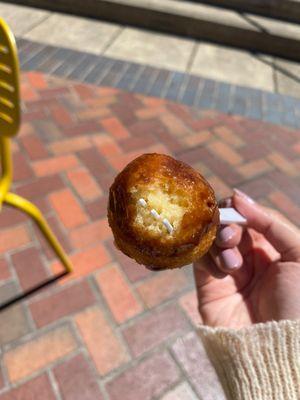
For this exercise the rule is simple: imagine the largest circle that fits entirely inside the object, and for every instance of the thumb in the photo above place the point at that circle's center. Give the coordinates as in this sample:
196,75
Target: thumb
284,238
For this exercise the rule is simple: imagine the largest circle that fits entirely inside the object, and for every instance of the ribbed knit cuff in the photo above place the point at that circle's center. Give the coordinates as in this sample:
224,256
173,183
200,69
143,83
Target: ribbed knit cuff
261,362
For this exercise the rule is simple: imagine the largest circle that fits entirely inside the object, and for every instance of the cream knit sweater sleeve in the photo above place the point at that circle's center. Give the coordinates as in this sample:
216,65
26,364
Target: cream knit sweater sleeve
261,362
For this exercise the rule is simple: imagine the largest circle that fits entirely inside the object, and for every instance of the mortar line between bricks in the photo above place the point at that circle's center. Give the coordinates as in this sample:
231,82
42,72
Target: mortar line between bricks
183,371
82,350
54,385
178,294
70,187
38,245
50,56
103,391
151,82
157,350
68,60
60,324
101,303
53,290
131,361
78,350
181,368
183,88
122,73
82,76
39,372
13,274
136,78
36,59
119,74
32,54
135,293
104,160
166,85
4,374
156,309
45,370
123,367
108,315
85,57
105,70
163,346
173,386
198,93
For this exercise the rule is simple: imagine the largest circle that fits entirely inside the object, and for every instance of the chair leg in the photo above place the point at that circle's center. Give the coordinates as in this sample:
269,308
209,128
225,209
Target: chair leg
19,202
6,167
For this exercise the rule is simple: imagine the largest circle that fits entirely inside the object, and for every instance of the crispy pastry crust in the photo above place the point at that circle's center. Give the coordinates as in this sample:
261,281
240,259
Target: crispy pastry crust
198,226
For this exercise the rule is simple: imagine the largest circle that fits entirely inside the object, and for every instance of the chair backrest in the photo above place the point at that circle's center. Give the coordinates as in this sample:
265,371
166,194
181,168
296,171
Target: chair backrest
9,83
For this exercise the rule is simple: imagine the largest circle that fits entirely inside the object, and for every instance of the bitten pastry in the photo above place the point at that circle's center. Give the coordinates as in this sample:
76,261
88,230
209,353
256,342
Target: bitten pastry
162,212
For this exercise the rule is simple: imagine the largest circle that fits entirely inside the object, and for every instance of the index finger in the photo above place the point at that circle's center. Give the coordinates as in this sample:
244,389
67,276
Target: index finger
284,238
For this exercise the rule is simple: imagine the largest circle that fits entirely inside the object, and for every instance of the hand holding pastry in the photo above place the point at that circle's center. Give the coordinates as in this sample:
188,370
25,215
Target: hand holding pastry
252,274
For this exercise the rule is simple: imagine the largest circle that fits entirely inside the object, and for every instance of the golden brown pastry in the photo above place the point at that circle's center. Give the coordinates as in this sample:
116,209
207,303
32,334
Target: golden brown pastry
162,212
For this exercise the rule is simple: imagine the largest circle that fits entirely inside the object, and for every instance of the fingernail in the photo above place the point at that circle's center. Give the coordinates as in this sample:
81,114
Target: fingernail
225,234
230,259
244,196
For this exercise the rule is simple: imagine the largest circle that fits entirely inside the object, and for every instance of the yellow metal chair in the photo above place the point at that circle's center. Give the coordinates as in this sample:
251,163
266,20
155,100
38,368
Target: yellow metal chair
9,126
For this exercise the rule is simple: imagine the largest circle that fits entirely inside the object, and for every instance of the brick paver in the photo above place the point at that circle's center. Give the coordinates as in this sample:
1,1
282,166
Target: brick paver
154,328
118,294
162,287
40,351
61,303
77,380
180,392
104,346
4,270
187,351
68,209
13,238
113,329
190,305
14,319
36,274
39,387
135,382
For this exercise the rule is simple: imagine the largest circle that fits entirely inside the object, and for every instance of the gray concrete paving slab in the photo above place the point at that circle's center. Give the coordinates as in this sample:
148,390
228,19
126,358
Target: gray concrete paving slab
22,19
75,32
287,77
233,66
156,49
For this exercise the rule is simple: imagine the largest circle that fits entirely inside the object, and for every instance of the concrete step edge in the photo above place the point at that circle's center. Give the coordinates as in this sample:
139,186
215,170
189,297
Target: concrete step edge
287,10
196,21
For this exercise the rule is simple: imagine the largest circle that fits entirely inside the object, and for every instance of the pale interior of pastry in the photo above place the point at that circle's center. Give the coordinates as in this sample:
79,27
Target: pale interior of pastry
168,205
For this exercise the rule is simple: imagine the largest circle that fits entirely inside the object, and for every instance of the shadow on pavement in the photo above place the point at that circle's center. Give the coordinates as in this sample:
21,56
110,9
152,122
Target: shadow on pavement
32,291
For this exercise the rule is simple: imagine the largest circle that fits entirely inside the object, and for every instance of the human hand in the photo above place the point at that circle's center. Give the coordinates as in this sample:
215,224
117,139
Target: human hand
251,275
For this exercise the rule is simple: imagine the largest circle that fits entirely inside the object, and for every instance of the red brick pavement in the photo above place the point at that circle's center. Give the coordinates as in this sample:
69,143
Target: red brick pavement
104,330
